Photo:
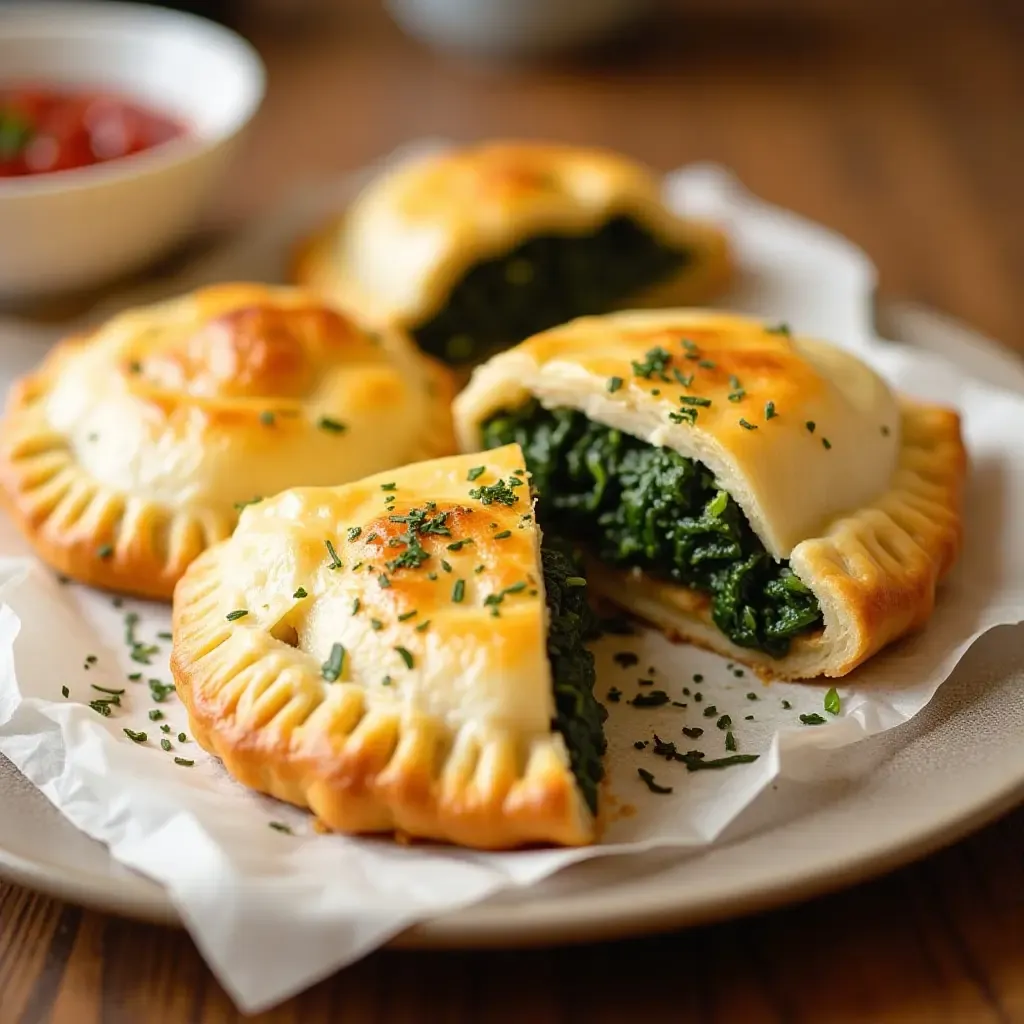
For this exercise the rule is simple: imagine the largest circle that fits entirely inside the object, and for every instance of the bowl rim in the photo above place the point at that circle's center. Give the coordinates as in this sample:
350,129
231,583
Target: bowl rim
167,155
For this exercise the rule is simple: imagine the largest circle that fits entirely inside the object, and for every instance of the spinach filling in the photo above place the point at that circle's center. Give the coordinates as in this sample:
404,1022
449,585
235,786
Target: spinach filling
579,717
547,280
633,504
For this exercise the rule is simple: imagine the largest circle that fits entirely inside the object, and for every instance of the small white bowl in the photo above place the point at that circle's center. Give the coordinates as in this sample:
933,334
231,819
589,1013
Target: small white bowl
77,229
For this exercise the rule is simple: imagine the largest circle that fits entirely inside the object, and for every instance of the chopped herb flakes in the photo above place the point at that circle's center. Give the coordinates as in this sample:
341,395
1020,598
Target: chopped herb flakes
136,737
239,505
301,593
698,765
459,591
182,738
752,696
812,719
575,581
747,426
332,668
165,744
652,699
405,616
625,659
155,715
725,722
376,625
693,733
267,418
280,826
786,706
826,443
810,425
422,627
331,426
184,762
614,383
730,741
103,689
392,486
335,562
737,396
614,695
406,656
458,545
710,711
475,473
500,492
65,692
160,691
383,582
354,532
781,328
238,613
833,705
105,551
656,361
649,782
504,535
769,411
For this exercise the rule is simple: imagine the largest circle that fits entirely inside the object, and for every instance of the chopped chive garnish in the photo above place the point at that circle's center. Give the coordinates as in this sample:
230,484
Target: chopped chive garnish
383,581
575,581
165,728
769,411
406,656
614,383
238,613
693,733
165,744
280,826
105,551
155,715
812,719
389,487
782,328
300,593
752,696
65,692
786,706
331,668
165,635
476,472
182,738
331,426
826,443
103,689
405,616
267,418
685,379
135,737
650,783
504,535
810,425
160,691
459,591
356,605
134,677
707,364
694,400
737,396
354,532
747,426
422,627
335,562
446,565
458,545
376,625
184,762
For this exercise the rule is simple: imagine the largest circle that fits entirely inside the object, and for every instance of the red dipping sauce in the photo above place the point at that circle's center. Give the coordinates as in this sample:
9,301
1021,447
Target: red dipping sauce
43,129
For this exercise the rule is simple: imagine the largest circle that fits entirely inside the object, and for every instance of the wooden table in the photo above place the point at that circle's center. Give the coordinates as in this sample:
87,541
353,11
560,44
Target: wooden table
901,127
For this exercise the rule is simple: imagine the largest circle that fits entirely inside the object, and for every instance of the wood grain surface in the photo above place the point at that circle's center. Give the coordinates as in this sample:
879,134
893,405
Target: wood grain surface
901,125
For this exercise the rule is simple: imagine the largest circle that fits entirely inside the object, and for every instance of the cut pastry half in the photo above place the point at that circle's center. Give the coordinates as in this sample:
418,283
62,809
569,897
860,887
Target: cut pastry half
476,248
132,449
766,496
400,654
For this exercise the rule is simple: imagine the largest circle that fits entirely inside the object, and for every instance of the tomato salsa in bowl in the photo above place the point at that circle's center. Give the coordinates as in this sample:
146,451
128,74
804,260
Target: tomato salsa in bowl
117,121
45,129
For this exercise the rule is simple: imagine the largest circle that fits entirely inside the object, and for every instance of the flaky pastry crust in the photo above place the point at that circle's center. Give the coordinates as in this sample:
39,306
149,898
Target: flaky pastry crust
385,691
858,487
412,234
131,449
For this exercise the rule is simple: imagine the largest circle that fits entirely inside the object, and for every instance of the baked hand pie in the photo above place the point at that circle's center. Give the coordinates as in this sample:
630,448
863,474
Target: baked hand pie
474,249
762,495
131,449
400,654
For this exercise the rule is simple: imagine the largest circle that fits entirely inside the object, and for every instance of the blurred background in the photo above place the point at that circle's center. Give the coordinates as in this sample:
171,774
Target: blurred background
896,122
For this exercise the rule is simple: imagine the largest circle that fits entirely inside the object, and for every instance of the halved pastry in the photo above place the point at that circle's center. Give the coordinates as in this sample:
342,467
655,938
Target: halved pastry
400,654
766,496
476,248
132,448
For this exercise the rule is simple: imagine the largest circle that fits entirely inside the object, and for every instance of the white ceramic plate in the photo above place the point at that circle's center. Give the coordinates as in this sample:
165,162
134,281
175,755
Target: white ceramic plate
955,767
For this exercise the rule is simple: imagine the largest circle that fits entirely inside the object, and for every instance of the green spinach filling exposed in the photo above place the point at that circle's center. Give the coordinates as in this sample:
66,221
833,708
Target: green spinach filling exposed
633,504
579,717
547,280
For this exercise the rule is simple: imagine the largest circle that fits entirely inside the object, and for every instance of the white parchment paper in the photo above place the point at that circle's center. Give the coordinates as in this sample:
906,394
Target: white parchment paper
275,906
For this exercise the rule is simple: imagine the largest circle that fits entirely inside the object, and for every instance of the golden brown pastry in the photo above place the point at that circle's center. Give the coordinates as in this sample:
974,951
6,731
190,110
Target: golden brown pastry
399,654
476,248
766,496
132,449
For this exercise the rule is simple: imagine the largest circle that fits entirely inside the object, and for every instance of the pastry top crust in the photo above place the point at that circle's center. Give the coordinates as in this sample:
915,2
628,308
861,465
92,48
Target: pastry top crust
469,664
415,230
378,652
797,431
233,392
